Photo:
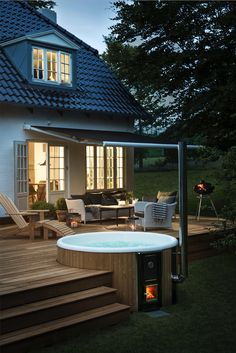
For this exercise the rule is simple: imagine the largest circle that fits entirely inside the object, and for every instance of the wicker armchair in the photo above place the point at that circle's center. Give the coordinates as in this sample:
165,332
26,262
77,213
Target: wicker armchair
148,214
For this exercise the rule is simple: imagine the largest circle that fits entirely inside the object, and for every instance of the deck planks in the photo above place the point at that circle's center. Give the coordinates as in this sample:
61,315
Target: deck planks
28,269
27,264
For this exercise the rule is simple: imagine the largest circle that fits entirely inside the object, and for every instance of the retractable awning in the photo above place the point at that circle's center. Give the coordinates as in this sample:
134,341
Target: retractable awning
91,136
105,138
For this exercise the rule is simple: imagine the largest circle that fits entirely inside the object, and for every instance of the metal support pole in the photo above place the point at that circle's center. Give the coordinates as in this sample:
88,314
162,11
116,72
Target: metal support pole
183,215
199,207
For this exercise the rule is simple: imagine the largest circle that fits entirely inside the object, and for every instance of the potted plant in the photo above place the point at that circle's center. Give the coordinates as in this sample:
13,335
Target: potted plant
129,197
61,209
43,205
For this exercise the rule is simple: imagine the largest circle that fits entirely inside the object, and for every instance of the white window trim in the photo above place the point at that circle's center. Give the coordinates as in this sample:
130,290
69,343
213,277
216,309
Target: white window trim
45,70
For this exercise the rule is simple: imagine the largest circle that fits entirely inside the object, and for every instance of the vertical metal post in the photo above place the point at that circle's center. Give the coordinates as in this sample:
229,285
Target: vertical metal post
183,215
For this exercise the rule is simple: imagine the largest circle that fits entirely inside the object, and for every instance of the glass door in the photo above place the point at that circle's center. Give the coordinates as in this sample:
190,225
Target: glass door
21,174
46,172
56,172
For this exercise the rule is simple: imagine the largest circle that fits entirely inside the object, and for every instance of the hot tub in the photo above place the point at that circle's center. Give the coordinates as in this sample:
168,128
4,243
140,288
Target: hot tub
117,242
118,252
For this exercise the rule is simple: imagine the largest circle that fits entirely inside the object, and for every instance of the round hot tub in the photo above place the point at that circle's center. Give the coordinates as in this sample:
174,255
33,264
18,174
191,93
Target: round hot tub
116,254
117,242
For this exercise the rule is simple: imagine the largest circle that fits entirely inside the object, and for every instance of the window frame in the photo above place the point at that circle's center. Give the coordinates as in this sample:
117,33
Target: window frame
45,70
21,167
115,174
56,166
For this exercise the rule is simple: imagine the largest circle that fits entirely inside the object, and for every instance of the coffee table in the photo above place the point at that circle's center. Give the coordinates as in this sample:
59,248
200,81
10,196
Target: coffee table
116,208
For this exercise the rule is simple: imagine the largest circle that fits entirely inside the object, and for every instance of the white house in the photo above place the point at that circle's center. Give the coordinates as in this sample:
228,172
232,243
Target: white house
59,102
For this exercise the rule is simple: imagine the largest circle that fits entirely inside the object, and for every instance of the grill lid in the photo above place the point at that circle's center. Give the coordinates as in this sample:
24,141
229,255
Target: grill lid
203,188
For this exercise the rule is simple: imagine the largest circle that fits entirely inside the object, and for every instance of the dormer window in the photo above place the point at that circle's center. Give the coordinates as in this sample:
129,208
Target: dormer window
52,66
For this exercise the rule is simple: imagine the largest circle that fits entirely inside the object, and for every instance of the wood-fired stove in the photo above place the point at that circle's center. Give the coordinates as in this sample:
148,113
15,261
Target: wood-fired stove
149,281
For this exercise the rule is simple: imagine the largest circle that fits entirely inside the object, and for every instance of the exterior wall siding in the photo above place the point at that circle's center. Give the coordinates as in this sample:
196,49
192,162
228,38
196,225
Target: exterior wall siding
77,170
12,120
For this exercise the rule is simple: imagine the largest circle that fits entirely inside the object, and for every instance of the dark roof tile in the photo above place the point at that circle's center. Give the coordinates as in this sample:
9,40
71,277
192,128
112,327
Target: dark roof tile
97,87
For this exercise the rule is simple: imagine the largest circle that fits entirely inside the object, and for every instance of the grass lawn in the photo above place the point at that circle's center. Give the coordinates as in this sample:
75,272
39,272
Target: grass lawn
203,320
148,184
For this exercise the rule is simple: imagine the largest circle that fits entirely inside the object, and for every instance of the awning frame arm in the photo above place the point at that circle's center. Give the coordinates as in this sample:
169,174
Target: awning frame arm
147,145
29,127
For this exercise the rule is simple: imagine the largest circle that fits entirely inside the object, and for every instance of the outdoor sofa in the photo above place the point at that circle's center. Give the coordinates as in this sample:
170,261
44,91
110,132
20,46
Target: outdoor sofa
89,203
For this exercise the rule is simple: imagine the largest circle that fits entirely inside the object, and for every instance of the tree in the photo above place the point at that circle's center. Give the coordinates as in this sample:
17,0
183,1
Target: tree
38,4
179,60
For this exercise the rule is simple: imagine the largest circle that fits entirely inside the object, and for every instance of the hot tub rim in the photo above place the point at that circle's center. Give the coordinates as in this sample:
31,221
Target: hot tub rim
173,243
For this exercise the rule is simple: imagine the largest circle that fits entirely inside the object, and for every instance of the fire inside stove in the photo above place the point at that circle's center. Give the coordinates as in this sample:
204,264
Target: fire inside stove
151,292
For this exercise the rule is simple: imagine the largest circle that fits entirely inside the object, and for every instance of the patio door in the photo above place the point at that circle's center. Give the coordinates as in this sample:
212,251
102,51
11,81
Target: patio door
21,174
56,178
47,174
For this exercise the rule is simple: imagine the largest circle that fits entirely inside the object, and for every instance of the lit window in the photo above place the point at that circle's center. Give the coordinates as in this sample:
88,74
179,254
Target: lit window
51,66
105,167
110,168
100,168
57,168
65,68
119,167
38,64
90,166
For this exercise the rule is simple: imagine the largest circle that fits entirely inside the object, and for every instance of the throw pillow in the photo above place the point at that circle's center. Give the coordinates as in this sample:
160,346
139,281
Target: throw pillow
108,199
95,198
82,197
119,195
167,199
166,193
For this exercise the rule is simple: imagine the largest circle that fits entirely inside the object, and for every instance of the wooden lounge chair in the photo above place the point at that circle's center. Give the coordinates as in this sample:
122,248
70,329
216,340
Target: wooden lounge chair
60,229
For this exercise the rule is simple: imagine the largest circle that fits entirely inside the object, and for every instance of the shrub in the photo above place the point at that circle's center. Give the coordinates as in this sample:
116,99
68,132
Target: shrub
43,205
61,204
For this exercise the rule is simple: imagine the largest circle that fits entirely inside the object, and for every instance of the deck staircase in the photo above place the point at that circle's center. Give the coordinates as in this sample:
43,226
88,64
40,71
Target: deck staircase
41,313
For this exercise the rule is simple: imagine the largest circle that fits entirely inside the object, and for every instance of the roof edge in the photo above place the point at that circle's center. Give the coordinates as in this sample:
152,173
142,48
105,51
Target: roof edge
34,36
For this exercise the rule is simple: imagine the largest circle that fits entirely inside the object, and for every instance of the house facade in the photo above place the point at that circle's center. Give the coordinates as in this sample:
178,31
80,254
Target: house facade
58,103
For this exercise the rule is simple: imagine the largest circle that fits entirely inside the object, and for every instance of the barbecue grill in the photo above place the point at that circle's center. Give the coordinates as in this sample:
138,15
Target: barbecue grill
204,190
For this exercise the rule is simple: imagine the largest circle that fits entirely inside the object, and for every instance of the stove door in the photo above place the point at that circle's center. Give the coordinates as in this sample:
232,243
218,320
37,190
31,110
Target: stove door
149,281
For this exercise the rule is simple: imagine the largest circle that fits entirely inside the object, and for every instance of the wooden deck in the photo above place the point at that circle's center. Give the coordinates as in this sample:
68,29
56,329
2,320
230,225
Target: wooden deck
26,263
36,291
43,301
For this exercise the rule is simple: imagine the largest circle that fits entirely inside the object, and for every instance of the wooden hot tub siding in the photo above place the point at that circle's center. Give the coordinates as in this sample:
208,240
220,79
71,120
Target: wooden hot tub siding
124,268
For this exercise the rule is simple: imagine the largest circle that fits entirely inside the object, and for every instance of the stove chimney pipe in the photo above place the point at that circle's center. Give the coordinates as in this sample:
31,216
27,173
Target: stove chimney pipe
183,218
